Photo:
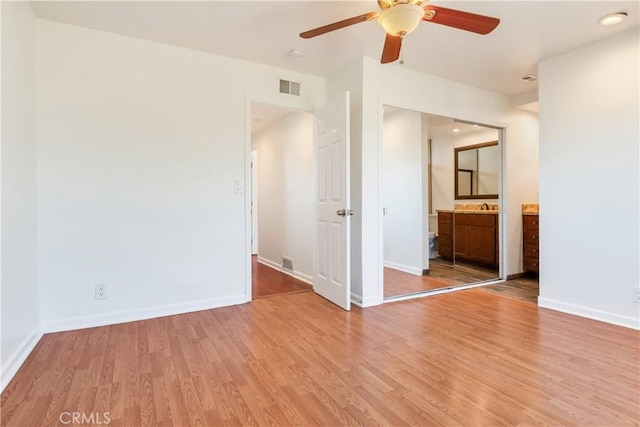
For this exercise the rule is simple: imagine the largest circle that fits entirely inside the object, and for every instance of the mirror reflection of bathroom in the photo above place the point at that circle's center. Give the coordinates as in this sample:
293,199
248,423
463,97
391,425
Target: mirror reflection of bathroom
432,239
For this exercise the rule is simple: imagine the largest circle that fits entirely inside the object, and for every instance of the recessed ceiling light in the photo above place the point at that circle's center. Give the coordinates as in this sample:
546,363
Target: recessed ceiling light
456,130
612,19
529,78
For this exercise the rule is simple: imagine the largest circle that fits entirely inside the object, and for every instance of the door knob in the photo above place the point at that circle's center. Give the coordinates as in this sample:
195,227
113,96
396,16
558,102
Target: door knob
344,212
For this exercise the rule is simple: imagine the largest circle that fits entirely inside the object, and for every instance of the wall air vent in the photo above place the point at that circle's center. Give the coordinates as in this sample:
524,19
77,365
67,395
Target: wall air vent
529,78
287,263
289,87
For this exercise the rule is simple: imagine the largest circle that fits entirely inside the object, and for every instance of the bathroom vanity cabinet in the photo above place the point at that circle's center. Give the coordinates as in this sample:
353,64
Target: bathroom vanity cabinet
470,236
531,243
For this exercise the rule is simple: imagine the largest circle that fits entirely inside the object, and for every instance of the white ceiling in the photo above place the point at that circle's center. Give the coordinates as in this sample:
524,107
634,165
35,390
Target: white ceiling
265,31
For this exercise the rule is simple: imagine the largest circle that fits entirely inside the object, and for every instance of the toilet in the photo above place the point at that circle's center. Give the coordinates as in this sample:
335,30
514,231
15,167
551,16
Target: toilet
433,245
433,238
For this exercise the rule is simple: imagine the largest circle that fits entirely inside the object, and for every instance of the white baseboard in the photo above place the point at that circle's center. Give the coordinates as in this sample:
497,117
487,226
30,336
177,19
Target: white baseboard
406,268
18,357
295,274
590,313
365,302
123,316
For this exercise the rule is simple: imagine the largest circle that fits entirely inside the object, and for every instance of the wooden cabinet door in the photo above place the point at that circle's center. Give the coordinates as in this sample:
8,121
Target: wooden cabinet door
475,238
482,244
461,239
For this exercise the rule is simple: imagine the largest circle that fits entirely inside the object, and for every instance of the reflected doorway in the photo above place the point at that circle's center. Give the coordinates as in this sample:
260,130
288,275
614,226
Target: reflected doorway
440,231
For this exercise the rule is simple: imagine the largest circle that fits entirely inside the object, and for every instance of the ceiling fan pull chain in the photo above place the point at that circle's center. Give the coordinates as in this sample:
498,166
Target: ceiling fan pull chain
401,58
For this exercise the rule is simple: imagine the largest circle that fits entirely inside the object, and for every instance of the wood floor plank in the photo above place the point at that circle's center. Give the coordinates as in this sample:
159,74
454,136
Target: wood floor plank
468,358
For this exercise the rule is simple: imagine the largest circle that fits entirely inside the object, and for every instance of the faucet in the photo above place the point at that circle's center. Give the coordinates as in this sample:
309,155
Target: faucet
485,207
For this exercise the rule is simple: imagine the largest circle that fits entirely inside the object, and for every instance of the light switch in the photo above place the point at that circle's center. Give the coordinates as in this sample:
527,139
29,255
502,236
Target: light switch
237,187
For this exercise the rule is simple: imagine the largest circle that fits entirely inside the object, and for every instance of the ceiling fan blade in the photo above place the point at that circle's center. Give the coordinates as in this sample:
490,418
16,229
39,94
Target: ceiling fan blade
337,25
462,20
391,51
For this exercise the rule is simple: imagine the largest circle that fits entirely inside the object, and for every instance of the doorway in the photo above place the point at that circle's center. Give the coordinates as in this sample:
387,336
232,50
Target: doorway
441,191
282,202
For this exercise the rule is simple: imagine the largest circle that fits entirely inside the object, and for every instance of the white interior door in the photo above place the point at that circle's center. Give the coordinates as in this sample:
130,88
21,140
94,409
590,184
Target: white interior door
332,267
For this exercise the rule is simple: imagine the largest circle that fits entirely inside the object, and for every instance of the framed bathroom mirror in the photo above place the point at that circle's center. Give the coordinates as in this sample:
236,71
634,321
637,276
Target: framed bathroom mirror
477,170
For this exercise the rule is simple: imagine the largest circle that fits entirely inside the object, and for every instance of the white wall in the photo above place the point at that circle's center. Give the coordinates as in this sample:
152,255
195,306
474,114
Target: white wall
286,193
521,184
442,175
20,317
589,180
254,201
140,145
402,191
415,91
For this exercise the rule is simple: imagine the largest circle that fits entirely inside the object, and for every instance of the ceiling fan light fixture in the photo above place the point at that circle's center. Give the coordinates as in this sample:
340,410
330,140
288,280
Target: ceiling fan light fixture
401,19
612,18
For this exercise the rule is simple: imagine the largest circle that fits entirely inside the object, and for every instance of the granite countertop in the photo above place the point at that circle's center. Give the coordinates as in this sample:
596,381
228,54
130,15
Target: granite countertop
530,209
469,211
476,211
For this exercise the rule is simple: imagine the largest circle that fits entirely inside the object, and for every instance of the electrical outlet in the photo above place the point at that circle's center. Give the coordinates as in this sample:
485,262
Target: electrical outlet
636,295
101,290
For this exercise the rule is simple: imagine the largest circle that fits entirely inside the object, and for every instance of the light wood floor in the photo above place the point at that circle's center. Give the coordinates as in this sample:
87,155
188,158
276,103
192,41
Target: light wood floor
398,282
524,289
467,358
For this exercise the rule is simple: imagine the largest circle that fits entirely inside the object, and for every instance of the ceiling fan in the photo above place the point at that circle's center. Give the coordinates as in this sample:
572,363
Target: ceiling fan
400,17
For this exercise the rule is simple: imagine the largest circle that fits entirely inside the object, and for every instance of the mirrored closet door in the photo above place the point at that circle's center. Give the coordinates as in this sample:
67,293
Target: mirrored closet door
440,188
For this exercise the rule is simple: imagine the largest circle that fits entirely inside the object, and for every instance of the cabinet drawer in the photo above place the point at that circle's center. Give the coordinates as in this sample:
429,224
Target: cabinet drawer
488,220
444,218
531,250
531,264
530,221
444,240
531,236
444,229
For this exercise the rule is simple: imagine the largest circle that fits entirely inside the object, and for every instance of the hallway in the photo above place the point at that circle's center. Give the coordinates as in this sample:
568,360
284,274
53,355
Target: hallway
267,281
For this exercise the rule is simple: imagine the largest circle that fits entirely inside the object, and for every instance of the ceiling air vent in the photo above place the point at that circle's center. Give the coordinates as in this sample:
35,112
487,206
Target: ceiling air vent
289,88
529,78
